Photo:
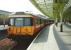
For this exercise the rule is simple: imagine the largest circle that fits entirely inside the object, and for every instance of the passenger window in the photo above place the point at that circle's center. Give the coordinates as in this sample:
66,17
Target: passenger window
28,21
42,21
37,21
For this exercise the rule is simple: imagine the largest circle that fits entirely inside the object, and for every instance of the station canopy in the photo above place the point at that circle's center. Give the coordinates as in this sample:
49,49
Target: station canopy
45,6
50,8
41,16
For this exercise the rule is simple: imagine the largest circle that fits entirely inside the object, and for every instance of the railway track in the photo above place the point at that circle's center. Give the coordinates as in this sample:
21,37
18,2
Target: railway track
21,46
22,43
5,43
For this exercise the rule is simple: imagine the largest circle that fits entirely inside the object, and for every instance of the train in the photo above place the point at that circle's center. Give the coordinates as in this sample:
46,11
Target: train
25,24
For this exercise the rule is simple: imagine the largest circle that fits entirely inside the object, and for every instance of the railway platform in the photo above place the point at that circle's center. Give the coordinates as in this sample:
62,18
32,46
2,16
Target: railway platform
45,40
52,39
63,38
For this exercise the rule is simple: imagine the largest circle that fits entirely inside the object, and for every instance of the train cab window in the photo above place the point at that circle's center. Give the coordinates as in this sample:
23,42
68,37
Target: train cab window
11,21
23,21
19,22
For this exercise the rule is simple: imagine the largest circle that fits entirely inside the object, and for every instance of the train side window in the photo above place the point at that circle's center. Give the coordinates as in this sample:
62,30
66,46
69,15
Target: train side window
28,21
38,21
42,21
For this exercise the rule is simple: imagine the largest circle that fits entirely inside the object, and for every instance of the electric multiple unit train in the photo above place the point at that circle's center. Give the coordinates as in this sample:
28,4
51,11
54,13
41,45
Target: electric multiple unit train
25,25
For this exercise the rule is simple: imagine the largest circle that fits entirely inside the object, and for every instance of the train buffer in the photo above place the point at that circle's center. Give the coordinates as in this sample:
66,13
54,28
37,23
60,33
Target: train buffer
45,40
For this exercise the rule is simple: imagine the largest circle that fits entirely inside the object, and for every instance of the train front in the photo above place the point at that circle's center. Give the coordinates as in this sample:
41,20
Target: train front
21,25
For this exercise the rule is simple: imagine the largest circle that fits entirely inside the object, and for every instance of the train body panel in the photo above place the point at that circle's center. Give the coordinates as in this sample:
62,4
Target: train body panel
27,30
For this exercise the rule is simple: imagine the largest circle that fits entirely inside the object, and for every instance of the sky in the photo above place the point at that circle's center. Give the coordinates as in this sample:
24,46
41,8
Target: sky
18,5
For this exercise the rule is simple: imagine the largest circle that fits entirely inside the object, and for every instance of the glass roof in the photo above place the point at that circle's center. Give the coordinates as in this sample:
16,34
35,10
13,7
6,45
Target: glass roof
50,8
45,6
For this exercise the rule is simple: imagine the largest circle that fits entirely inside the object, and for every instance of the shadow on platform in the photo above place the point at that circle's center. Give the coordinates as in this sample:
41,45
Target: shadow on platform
60,42
43,36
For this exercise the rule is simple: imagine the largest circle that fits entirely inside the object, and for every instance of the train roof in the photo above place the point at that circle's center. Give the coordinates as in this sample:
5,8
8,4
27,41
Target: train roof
22,14
41,16
29,15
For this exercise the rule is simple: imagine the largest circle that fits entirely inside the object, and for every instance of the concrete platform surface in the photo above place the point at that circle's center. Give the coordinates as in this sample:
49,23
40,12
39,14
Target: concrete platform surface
63,38
45,40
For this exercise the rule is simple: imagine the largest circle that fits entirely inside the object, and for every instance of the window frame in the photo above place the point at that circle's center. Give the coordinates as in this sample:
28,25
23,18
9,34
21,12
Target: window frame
14,18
